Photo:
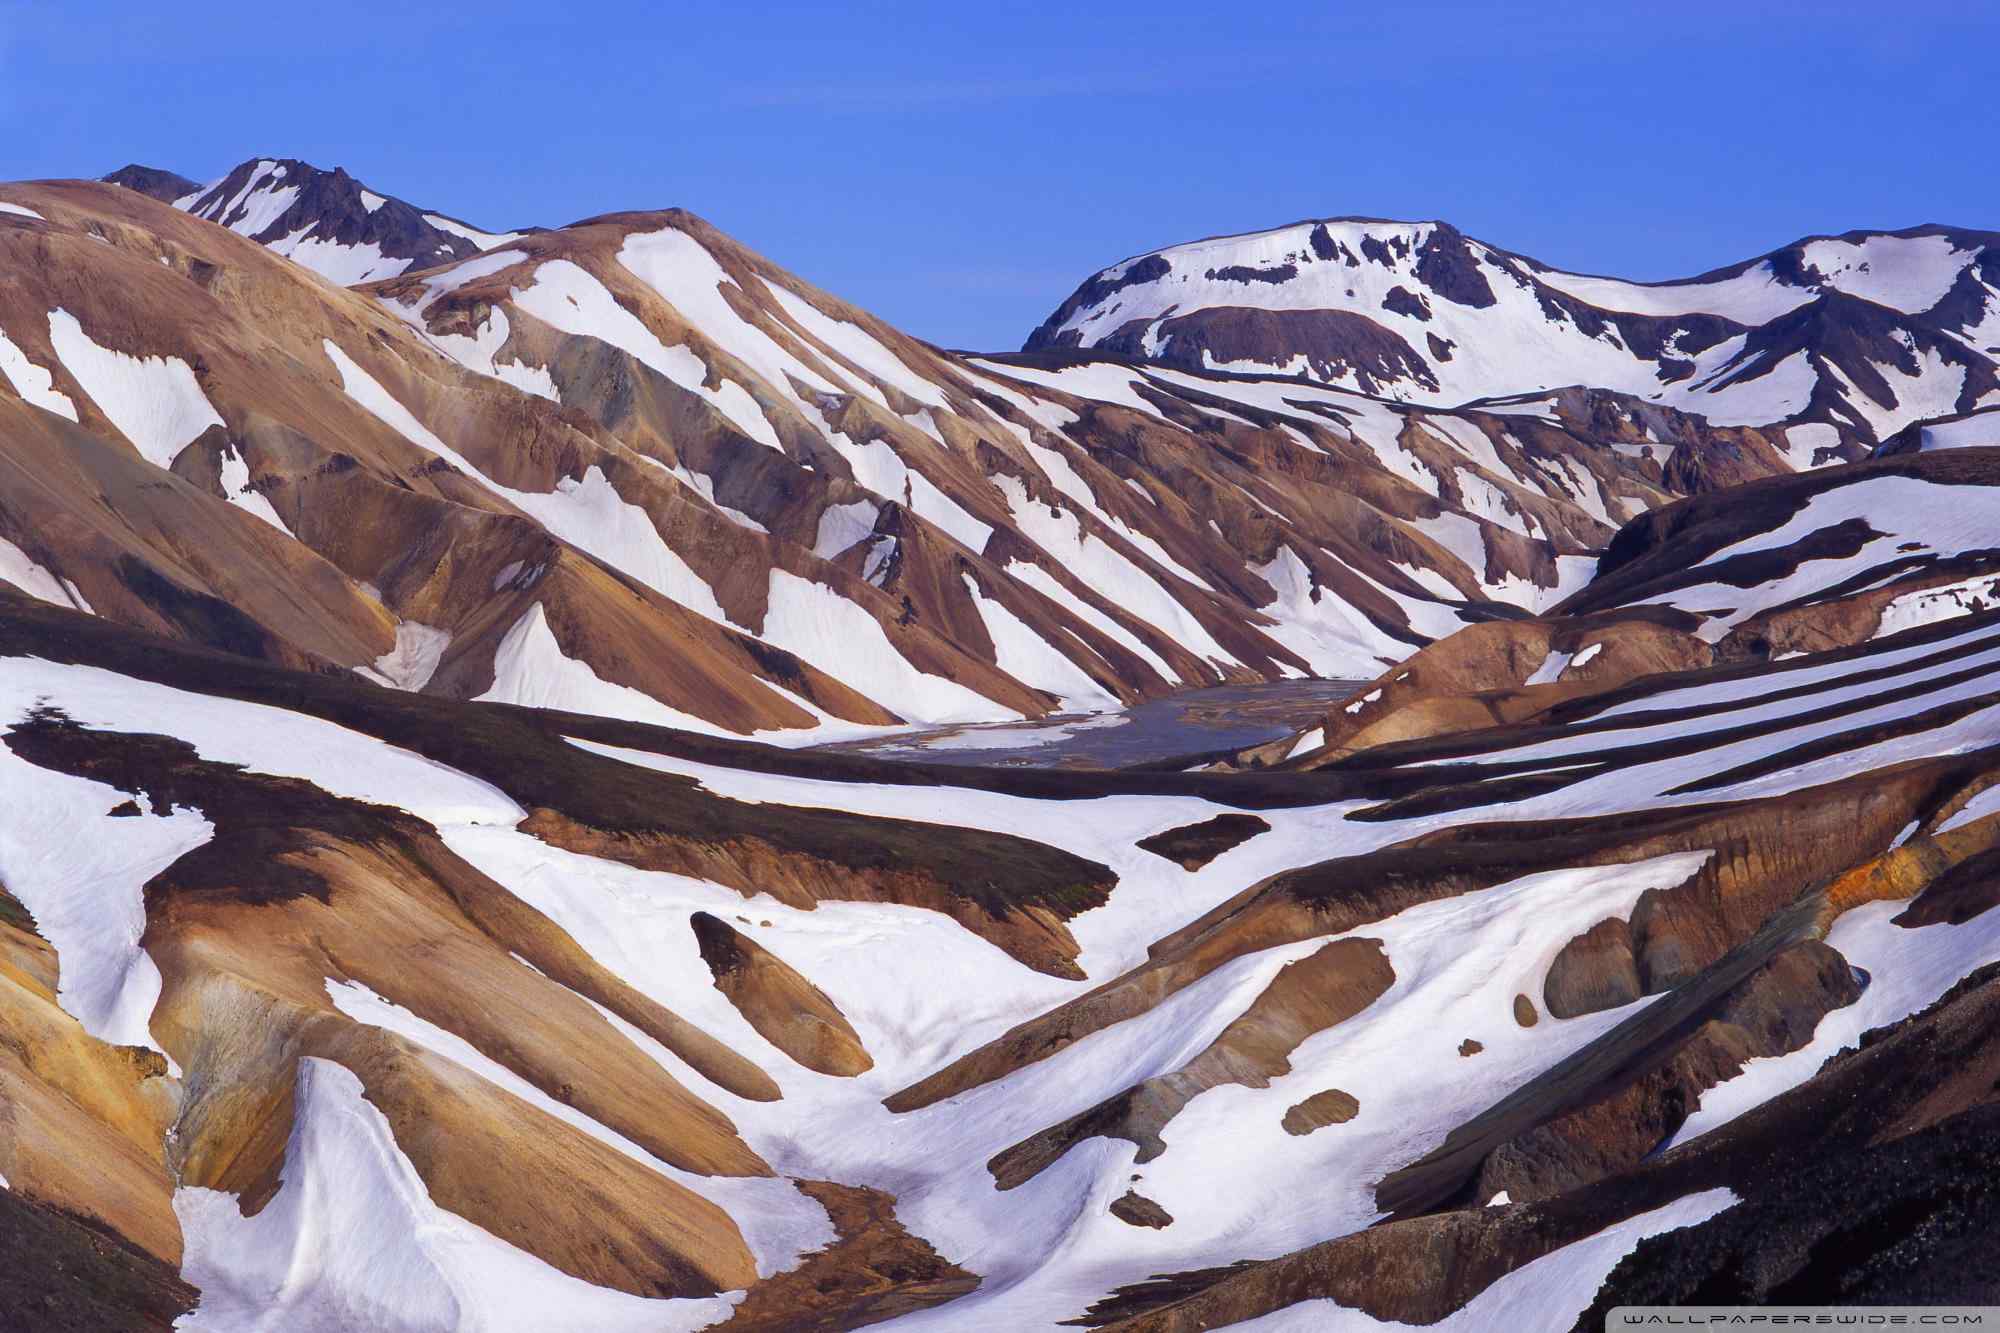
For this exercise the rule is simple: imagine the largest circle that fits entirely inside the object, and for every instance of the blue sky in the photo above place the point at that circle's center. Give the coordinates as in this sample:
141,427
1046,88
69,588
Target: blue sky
959,168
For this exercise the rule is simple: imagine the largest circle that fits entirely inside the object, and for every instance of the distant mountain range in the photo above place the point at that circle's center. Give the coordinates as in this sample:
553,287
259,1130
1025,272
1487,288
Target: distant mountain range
662,438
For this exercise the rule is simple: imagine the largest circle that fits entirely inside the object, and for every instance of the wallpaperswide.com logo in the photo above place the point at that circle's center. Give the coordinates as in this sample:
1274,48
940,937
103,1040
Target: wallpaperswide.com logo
1801,1316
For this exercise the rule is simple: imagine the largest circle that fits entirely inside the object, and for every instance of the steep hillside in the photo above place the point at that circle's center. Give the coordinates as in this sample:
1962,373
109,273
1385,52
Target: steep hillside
1769,571
1840,341
1823,561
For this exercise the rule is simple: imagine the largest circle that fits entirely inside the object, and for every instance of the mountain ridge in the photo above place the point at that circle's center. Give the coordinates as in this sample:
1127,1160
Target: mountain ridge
324,219
1422,312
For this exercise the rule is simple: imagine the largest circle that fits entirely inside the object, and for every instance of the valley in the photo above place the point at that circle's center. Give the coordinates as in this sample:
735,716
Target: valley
1185,727
565,777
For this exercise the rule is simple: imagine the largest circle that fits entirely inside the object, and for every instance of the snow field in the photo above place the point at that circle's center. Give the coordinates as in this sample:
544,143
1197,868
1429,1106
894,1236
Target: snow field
353,1241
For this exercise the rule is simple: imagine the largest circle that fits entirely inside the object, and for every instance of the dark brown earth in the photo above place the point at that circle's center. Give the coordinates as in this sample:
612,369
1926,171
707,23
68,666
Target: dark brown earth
873,1271
1137,1210
1193,846
66,1275
1332,1107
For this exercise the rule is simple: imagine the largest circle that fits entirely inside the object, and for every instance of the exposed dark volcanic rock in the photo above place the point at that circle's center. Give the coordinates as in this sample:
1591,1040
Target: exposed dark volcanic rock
1966,890
1876,532
1908,1222
1195,845
1771,1012
326,220
64,1275
1137,1210
1913,1107
1334,345
165,186
874,1271
1445,264
1899,1218
1597,970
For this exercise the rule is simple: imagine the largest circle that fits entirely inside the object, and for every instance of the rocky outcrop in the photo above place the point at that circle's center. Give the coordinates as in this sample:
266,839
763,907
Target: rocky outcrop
1910,1108
1771,1012
1481,677
787,1010
1596,970
68,1274
1193,846
1135,1209
874,1271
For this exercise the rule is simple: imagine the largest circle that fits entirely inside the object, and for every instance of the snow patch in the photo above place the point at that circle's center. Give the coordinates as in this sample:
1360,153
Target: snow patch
19,570
154,401
842,639
531,669
414,660
32,382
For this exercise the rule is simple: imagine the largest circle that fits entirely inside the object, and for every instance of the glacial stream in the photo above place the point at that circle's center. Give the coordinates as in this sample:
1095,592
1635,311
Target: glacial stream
1189,725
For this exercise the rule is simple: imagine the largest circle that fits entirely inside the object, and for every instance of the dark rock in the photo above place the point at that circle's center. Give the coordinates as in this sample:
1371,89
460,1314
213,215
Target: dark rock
1193,846
1403,301
1137,1210
1446,266
1281,273
165,186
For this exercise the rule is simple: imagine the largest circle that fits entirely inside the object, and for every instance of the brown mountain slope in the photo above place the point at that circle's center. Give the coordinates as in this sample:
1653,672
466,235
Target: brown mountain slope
630,467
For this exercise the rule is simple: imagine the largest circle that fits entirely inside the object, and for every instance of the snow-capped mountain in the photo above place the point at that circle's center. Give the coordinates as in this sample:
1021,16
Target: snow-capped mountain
406,924
326,220
1841,341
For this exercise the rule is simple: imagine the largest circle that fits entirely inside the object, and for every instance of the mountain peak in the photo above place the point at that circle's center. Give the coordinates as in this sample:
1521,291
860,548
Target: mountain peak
1422,312
165,186
325,219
